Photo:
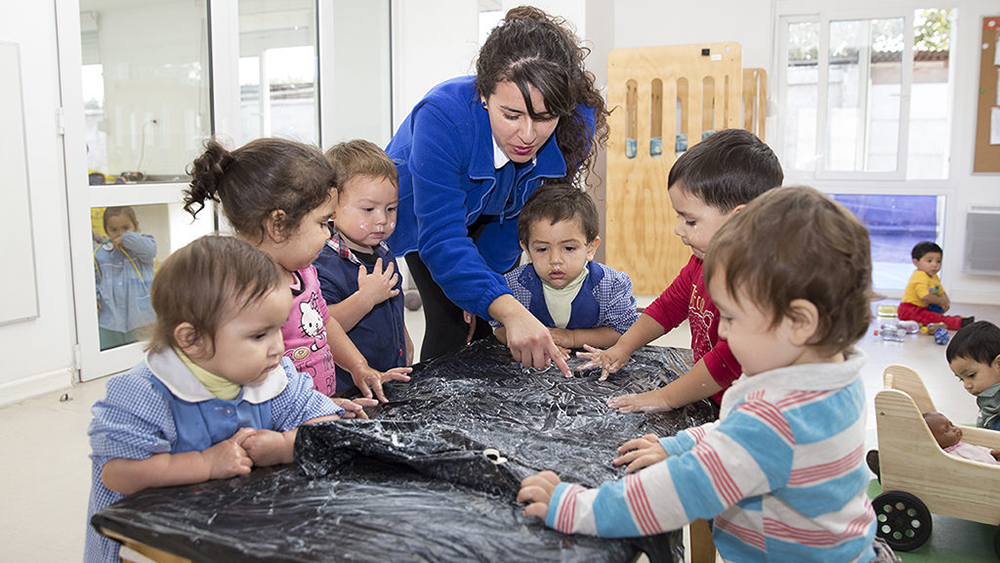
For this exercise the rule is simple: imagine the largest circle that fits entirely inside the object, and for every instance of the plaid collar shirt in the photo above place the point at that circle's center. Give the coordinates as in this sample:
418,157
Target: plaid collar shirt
336,242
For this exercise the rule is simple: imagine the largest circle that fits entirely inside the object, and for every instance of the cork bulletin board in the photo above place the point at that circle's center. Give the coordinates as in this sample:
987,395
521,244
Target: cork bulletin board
987,153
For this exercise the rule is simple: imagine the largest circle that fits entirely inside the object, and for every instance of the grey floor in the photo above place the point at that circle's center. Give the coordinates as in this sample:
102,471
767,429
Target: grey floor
46,472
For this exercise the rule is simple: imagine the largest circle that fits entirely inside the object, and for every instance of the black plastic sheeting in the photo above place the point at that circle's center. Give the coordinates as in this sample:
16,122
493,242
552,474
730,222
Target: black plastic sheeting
434,475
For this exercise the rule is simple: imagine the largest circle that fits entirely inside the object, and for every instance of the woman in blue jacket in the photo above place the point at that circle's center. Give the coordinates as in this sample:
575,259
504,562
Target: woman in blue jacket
469,154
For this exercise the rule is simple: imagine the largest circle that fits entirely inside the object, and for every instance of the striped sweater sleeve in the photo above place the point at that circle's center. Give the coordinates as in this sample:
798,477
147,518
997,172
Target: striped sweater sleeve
747,454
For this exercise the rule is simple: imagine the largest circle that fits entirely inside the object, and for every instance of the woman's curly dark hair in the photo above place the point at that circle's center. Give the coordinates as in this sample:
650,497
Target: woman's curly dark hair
533,49
262,176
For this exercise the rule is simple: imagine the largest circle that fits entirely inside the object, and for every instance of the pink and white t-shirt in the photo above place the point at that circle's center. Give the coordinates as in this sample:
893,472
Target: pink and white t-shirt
305,332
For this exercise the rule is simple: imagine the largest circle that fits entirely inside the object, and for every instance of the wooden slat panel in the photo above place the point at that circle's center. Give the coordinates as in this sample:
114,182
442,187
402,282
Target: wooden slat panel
640,220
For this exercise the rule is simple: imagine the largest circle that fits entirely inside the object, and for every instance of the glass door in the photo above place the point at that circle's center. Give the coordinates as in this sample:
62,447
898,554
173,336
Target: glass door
136,106
145,82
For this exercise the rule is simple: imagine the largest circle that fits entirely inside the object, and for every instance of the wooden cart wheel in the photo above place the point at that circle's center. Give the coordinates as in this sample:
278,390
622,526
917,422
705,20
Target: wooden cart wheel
903,520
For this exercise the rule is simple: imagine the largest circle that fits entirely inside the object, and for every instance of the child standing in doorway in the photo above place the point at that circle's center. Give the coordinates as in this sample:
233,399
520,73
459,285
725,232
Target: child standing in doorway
213,396
781,471
124,267
582,302
279,195
924,299
357,270
708,185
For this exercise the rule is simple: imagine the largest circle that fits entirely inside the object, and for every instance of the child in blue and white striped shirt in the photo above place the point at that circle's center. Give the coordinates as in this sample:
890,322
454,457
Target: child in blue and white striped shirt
781,471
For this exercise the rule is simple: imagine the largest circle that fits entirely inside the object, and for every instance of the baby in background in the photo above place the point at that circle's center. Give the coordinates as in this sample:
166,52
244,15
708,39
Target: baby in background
974,357
924,299
584,303
949,437
781,471
123,267
214,395
357,270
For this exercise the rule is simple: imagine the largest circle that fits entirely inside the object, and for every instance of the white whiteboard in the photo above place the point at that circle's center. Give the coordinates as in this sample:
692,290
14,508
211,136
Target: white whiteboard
18,282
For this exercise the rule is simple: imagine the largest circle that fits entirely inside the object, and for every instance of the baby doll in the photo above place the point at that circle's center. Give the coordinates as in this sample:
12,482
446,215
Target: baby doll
949,437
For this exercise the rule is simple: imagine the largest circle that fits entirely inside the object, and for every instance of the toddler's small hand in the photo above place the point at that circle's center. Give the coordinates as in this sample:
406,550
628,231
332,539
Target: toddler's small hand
640,452
470,320
228,458
639,402
608,360
537,489
372,381
380,284
355,408
267,447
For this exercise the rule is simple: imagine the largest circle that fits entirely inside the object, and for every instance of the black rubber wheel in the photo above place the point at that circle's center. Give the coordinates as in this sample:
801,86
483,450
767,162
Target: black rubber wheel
996,543
903,520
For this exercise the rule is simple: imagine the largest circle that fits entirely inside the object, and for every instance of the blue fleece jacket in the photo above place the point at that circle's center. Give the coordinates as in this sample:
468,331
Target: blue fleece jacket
444,154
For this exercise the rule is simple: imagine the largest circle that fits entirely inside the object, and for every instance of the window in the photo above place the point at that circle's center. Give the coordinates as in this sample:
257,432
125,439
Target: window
896,223
867,97
277,70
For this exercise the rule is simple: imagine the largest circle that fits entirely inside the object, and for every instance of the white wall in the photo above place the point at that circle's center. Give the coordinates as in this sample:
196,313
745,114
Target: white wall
360,78
433,40
643,23
38,353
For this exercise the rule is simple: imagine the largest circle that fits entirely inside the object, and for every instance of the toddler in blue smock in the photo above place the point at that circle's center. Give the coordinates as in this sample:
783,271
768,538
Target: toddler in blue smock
214,395
582,302
123,268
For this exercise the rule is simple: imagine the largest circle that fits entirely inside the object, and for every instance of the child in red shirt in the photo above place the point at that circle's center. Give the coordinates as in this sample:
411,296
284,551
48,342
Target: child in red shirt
708,185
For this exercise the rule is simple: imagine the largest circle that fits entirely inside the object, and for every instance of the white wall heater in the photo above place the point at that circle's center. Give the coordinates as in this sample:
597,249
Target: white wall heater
982,241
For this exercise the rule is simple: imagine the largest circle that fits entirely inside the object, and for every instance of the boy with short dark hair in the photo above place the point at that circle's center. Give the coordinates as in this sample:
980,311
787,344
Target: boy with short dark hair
924,299
708,185
582,302
974,356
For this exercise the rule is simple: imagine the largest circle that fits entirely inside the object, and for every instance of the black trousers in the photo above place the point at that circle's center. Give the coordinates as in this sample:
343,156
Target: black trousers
444,327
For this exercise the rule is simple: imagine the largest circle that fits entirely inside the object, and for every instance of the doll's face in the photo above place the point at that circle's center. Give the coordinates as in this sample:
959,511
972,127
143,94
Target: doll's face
946,433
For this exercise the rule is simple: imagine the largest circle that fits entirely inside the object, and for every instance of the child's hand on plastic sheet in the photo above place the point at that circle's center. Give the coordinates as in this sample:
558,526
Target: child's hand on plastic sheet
610,360
537,490
355,408
640,452
370,381
650,401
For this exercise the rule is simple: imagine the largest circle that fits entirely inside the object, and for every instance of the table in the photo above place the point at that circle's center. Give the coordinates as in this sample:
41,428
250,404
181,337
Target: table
413,483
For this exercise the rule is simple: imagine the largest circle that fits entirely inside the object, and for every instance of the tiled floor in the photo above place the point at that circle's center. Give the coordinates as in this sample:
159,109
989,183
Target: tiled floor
46,472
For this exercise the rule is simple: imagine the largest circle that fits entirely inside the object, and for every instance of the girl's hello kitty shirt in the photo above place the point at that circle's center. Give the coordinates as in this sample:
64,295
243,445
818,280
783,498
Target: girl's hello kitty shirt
305,332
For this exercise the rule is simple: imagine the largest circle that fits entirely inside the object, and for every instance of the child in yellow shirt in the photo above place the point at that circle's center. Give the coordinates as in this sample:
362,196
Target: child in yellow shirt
924,299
